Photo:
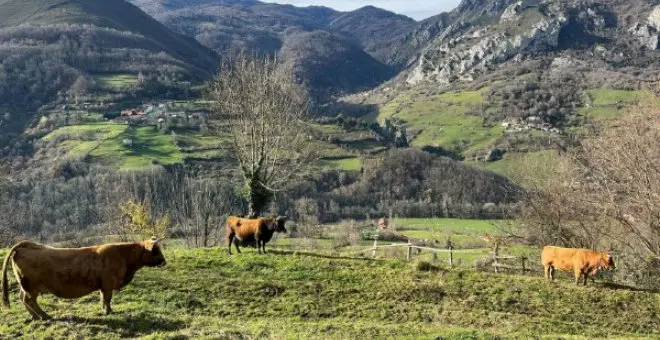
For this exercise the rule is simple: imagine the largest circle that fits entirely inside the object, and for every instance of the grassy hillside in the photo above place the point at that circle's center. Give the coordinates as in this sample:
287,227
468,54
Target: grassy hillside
441,120
115,14
206,293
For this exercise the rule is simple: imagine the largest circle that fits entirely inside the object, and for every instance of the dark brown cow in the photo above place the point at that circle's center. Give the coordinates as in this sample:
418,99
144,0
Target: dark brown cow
71,273
252,232
582,262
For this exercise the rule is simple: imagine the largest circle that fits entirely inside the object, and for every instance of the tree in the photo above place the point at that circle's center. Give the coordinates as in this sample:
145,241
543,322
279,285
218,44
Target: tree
621,177
606,190
266,114
81,86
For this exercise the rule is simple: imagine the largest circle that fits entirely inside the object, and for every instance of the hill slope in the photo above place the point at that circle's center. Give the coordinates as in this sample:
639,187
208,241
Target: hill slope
52,51
328,63
266,28
520,76
111,14
374,29
205,293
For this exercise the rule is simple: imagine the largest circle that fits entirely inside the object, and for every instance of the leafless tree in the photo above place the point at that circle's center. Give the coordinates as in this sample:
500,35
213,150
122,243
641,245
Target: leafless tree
607,190
621,177
266,112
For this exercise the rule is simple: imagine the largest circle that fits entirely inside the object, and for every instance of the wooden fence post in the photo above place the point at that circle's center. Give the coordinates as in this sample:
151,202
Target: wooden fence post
375,242
523,264
451,257
409,251
497,254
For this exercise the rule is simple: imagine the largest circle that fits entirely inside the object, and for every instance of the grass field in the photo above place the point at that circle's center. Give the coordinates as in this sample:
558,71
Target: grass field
148,145
442,120
462,233
88,132
205,293
117,80
348,164
513,164
608,104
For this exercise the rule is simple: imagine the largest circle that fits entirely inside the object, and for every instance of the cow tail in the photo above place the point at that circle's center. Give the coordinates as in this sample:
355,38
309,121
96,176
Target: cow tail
5,285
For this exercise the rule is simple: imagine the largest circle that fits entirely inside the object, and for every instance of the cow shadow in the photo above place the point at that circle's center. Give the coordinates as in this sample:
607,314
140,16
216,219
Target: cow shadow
130,326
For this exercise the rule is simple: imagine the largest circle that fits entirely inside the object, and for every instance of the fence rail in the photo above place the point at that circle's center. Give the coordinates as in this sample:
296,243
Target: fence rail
495,255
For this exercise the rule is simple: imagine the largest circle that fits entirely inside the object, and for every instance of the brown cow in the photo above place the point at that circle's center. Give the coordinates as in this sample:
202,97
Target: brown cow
252,232
582,262
71,273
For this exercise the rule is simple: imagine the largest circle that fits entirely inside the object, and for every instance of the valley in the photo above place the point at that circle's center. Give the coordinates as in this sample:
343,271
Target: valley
421,166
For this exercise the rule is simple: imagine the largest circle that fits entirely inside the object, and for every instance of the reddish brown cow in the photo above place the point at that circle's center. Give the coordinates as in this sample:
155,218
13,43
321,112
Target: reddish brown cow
71,273
582,262
252,232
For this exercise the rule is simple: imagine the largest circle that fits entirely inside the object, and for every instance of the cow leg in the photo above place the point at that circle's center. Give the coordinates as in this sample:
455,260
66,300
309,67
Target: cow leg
106,297
546,271
31,302
230,240
238,249
551,272
263,246
35,315
578,275
256,238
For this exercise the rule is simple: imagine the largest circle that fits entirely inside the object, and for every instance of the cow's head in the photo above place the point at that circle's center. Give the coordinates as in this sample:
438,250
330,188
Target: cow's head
607,261
279,224
153,256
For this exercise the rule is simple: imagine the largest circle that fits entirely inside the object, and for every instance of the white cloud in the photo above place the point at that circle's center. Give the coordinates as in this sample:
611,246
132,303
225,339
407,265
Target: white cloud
417,9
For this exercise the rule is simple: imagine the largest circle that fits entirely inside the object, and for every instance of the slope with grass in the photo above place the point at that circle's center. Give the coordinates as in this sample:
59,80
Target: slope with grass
118,15
442,119
206,293
608,104
63,51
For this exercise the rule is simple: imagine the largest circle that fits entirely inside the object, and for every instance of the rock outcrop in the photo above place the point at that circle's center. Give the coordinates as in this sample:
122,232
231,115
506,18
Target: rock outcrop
465,56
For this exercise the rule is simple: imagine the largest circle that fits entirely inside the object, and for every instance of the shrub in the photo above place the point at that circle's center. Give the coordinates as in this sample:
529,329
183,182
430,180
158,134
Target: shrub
137,221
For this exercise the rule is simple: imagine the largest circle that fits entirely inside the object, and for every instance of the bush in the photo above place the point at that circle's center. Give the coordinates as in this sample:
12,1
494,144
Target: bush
347,234
137,221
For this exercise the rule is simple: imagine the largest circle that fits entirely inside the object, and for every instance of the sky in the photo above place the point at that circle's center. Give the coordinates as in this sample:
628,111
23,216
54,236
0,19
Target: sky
416,9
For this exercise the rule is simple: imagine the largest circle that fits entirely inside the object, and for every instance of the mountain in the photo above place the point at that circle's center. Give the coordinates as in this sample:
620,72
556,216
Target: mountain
229,25
46,44
54,51
374,29
516,76
486,33
325,61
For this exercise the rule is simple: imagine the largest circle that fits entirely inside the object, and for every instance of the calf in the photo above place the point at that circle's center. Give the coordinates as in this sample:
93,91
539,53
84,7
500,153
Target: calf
582,262
71,273
252,232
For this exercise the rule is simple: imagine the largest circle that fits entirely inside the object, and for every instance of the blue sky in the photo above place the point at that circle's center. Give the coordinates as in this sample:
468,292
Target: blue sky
416,9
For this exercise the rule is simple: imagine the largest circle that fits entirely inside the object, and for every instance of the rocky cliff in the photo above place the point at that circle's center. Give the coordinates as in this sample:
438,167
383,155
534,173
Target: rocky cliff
484,34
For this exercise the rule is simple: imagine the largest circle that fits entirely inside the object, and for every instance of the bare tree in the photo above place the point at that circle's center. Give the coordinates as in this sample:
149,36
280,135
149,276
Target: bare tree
606,190
266,112
81,86
621,177
552,213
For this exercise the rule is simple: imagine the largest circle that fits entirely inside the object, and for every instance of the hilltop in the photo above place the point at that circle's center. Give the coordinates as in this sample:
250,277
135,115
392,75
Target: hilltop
206,293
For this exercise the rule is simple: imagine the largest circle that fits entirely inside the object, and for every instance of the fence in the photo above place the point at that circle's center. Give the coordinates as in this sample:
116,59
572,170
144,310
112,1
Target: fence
450,251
